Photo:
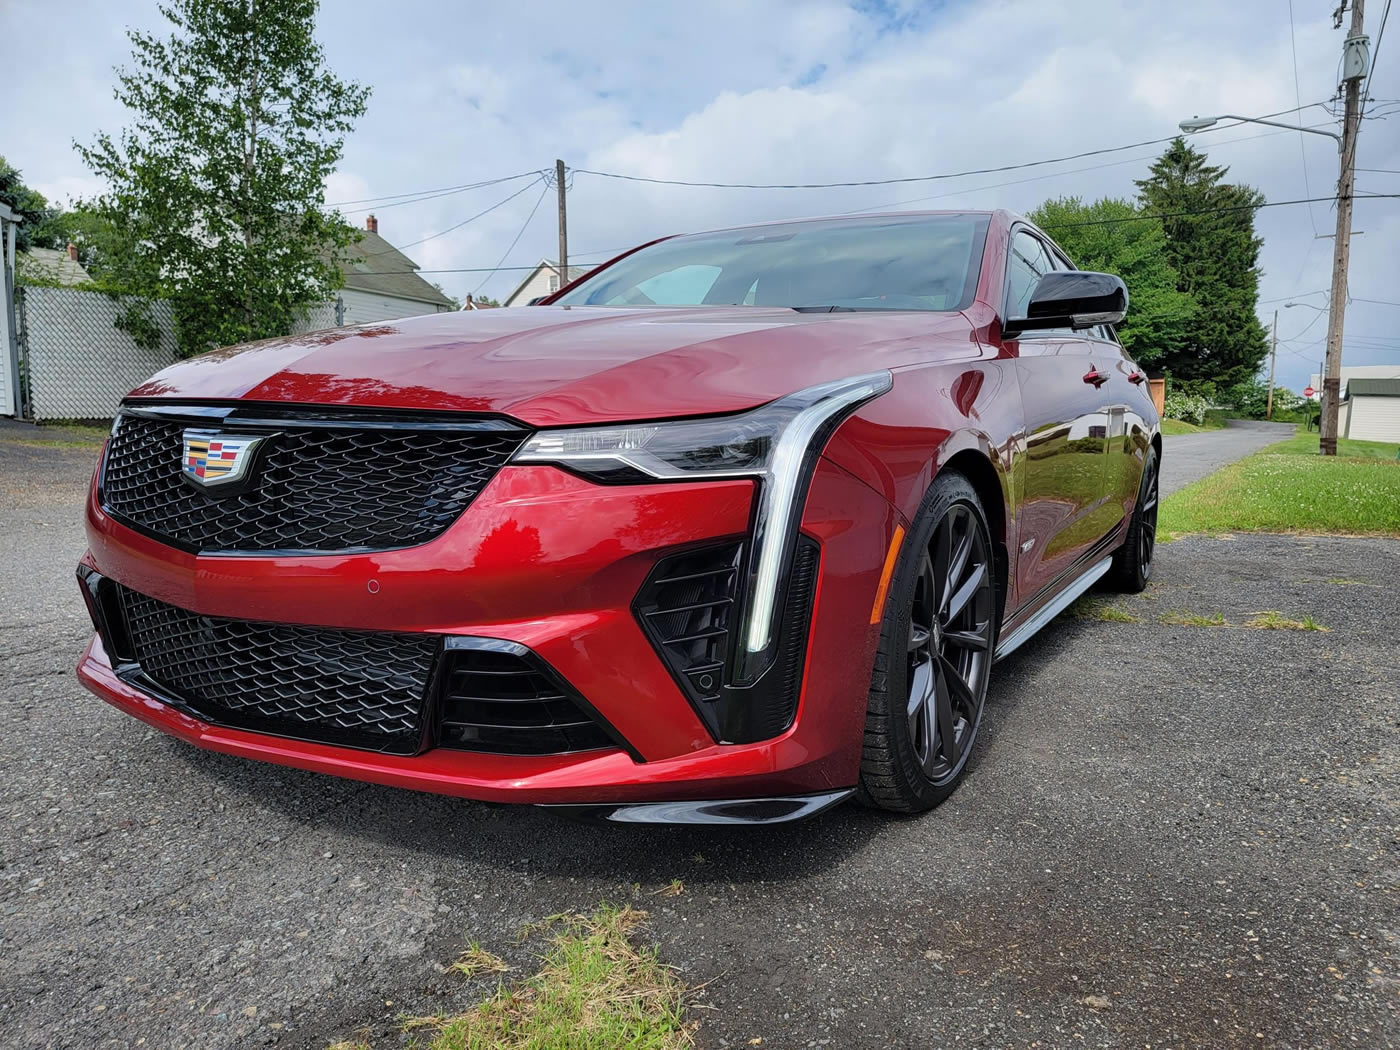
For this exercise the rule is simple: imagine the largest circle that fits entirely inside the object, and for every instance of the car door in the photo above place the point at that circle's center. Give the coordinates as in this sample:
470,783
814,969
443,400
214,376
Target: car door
1062,508
1129,431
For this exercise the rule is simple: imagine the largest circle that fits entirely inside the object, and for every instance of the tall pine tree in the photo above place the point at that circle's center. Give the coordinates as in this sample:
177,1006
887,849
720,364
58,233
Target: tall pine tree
217,186
1215,252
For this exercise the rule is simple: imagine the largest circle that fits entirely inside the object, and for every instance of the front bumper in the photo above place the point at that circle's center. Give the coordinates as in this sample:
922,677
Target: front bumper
553,563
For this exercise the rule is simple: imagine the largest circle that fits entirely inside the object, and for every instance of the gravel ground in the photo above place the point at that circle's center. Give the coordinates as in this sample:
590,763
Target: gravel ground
1173,837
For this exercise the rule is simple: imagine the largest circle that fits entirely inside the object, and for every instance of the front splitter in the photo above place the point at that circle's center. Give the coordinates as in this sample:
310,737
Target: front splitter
785,809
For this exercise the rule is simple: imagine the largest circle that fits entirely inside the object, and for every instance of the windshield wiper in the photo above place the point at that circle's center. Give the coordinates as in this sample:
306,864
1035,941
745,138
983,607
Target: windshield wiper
827,309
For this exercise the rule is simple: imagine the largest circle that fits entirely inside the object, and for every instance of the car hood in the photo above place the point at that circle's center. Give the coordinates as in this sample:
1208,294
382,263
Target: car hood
553,365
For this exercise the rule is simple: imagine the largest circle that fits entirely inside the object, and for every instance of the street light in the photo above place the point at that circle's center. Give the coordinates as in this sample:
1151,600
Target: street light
1201,123
1310,306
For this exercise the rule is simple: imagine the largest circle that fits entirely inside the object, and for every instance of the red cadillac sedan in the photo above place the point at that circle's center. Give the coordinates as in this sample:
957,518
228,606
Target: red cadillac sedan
728,530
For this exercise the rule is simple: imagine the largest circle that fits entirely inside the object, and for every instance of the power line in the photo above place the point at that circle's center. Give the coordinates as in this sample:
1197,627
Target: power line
457,226
1378,302
441,190
907,179
1209,211
1375,54
520,233
1298,98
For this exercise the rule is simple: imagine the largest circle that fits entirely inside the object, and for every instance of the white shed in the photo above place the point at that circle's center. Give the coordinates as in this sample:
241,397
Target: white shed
1373,410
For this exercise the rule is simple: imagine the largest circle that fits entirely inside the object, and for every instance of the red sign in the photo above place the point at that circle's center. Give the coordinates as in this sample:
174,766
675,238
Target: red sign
1308,391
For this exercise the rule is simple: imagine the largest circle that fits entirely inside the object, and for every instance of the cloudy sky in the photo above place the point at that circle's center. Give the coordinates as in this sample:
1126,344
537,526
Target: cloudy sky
778,91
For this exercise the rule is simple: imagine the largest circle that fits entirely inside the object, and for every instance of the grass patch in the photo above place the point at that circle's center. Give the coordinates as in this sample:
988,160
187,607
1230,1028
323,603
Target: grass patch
1089,608
43,436
1179,426
1188,619
476,961
595,990
1306,444
1289,488
1276,621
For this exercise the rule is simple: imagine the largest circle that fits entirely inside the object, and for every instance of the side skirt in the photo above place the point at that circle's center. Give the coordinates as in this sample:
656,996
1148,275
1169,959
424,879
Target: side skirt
1048,612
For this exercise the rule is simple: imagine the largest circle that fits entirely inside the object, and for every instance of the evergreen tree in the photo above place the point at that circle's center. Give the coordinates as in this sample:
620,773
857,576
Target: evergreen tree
1216,255
1112,236
217,187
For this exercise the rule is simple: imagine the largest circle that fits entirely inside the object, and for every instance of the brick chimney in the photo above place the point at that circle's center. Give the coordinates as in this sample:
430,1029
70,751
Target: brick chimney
72,251
371,223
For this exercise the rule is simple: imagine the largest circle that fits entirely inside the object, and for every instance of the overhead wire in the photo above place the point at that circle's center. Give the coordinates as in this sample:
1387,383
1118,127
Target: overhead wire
519,233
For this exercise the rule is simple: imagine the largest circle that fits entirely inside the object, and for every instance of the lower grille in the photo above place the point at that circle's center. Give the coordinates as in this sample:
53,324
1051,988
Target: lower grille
500,697
357,688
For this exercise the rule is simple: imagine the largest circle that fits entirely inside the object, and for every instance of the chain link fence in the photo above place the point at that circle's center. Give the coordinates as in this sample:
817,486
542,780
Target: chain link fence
76,364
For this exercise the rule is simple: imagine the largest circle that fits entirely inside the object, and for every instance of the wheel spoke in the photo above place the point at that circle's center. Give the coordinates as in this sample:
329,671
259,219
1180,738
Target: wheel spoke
918,637
975,640
959,691
942,558
947,736
966,591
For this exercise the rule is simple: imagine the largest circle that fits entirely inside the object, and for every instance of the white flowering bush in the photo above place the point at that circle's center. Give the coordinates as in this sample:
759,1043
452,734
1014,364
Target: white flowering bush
1186,407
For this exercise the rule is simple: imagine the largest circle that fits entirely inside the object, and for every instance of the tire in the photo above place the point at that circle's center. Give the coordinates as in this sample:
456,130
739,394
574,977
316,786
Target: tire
1132,562
928,678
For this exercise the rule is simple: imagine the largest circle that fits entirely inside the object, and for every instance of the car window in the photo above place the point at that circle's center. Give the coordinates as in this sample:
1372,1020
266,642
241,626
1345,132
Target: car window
918,262
1025,266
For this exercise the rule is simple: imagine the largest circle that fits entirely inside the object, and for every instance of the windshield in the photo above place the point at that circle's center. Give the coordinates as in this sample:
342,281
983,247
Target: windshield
897,262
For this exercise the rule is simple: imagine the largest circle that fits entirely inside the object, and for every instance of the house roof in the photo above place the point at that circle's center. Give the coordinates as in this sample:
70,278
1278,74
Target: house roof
51,264
575,272
372,264
1373,388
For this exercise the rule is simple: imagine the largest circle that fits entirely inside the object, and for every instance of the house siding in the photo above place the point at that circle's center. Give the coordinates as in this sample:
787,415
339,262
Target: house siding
1374,419
538,284
363,307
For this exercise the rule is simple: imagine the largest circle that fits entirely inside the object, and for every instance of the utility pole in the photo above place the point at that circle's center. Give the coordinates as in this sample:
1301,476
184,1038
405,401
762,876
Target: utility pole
1273,360
563,225
1354,63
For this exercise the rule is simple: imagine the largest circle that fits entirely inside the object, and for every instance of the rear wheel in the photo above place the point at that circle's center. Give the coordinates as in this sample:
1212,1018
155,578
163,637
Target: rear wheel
1132,562
929,684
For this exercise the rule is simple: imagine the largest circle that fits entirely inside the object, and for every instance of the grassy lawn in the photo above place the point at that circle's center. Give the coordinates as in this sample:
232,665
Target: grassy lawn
75,435
1177,426
1305,444
1288,487
595,990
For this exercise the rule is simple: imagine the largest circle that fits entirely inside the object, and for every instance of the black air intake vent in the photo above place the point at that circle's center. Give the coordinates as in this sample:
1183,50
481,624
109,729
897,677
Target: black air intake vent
500,697
686,609
357,688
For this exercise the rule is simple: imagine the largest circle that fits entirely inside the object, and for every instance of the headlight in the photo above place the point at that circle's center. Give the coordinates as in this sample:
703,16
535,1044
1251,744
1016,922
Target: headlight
777,445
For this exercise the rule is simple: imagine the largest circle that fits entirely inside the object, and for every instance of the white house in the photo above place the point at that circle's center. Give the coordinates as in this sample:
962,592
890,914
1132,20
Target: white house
1370,409
381,282
542,280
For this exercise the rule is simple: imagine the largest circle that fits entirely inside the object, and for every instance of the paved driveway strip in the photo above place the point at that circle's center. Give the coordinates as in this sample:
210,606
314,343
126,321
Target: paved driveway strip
1190,457
1173,836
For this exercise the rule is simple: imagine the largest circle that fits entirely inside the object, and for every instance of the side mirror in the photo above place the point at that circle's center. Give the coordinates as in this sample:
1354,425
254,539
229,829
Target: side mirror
1072,299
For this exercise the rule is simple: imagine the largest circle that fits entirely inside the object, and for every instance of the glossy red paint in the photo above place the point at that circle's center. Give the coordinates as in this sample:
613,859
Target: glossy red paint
552,561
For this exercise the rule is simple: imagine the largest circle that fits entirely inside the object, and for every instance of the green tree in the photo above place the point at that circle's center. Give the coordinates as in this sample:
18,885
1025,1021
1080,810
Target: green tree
1113,237
216,196
38,227
1212,244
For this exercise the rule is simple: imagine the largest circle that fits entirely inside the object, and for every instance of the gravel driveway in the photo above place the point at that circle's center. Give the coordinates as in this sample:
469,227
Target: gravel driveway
1173,837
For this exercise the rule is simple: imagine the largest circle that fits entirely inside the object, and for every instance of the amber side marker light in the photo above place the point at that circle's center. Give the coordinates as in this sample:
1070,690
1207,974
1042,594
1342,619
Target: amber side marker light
885,574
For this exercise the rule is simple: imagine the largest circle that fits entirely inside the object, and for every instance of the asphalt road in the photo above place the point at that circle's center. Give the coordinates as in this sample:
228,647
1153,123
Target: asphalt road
1172,837
1190,457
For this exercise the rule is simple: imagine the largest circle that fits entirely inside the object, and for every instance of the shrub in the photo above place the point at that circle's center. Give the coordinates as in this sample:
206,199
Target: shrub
1186,407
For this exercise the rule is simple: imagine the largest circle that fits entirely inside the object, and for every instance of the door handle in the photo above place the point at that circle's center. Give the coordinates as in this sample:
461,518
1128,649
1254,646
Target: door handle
1096,377
1137,377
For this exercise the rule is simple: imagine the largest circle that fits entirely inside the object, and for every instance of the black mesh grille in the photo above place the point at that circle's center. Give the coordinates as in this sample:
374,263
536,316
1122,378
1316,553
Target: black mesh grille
344,687
686,608
315,488
505,702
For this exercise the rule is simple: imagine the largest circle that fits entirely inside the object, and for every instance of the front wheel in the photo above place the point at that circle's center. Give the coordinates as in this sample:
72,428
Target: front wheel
929,684
1132,562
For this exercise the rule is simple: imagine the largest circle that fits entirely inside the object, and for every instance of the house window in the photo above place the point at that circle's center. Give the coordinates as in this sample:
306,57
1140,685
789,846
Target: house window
554,282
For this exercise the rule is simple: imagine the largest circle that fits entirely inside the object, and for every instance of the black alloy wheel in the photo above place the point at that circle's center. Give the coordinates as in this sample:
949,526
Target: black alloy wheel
1132,563
929,684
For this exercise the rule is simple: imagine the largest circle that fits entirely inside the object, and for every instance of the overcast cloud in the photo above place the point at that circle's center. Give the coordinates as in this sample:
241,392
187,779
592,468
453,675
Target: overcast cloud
816,91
